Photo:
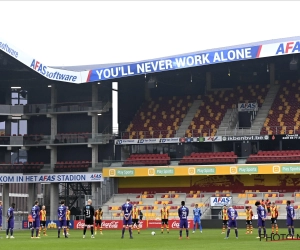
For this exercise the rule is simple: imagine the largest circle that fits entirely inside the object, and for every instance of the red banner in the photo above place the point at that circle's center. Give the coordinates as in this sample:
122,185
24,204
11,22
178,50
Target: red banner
118,224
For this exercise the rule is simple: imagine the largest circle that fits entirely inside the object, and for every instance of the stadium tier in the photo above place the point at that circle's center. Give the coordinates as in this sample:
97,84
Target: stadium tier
72,166
275,156
21,167
209,158
215,104
283,117
159,118
147,160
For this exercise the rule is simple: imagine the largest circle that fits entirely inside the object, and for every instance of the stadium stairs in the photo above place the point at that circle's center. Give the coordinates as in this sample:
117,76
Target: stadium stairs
187,120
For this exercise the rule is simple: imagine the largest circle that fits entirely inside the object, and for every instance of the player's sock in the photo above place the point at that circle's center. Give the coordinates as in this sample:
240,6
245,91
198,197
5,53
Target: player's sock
293,231
58,232
167,228
180,233
100,230
162,229
138,228
223,229
44,230
123,231
92,230
84,230
228,232
236,233
251,228
277,229
289,230
272,228
11,232
7,231
40,229
200,226
130,231
187,232
194,227
65,232
32,231
37,232
265,232
247,229
259,232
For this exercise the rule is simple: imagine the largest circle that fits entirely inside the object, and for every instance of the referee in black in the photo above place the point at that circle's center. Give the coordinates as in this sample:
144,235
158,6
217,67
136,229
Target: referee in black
88,213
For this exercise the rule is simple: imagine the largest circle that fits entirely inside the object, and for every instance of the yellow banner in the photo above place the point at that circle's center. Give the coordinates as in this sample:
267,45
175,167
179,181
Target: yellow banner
202,170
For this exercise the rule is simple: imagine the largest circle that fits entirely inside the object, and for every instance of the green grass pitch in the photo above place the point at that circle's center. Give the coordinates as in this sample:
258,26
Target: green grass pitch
210,239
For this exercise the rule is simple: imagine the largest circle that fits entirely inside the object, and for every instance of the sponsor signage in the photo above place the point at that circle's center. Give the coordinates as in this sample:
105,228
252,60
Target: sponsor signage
220,201
51,178
291,137
188,60
168,140
243,107
147,141
246,138
118,224
202,170
210,139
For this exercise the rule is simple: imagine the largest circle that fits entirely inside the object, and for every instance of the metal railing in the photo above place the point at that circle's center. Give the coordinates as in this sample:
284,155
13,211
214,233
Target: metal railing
65,107
72,138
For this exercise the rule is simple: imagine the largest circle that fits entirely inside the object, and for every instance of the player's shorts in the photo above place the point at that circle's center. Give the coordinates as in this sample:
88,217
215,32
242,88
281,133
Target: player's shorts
197,220
248,222
289,222
232,224
36,224
225,222
43,223
164,221
127,222
62,223
68,223
261,223
273,221
89,222
98,222
183,224
135,221
10,224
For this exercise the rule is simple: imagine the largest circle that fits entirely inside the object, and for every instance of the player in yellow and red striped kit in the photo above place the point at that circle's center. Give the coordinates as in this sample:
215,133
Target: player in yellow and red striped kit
249,215
274,216
164,212
224,218
43,219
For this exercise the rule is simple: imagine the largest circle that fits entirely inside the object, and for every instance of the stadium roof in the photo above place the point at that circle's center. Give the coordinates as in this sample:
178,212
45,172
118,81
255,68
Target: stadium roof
99,72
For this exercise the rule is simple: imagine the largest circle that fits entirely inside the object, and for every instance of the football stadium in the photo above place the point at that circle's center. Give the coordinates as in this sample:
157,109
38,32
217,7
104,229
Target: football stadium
210,128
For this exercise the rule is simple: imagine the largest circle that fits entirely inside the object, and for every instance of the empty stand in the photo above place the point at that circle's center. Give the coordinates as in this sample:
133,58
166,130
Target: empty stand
275,156
159,118
72,166
33,167
147,159
283,117
215,104
209,158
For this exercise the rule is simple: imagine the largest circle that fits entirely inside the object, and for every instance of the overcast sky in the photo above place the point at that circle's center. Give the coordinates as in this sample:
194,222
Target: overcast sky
79,33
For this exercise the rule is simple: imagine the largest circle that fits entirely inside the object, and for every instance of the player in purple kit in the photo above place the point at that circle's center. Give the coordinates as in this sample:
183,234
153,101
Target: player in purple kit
35,213
0,215
290,216
62,210
232,215
261,220
10,221
127,219
183,213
